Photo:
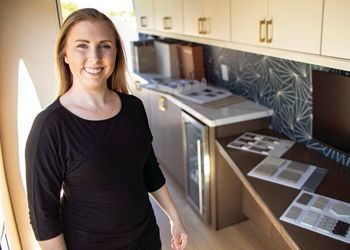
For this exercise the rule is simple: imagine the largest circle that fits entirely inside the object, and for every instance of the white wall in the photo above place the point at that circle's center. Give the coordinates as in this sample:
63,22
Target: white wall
28,31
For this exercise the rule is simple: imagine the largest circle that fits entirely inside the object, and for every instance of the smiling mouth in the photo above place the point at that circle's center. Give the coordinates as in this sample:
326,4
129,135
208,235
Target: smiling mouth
93,70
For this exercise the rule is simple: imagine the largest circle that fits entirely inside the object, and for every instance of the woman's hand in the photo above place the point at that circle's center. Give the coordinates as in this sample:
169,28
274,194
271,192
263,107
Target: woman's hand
179,239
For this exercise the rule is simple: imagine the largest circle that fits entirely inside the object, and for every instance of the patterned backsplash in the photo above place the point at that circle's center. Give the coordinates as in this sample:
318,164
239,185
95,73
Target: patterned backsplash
282,85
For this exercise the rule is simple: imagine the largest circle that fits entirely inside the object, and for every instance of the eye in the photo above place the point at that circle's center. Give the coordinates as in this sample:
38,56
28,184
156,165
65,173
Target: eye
105,46
82,46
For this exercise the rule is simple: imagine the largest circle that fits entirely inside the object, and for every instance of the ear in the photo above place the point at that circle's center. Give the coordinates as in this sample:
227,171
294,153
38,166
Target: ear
66,60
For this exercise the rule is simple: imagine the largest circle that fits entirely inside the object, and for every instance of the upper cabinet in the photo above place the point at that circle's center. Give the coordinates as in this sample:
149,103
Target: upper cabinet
290,24
336,32
144,14
168,16
207,18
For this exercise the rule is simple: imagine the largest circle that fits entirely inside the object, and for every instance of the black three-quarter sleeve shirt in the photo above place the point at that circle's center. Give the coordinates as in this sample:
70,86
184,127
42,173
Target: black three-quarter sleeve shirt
106,169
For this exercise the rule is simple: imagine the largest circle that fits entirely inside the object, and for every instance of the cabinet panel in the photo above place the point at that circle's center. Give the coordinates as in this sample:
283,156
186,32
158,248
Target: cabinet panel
168,15
174,143
206,18
193,9
158,127
218,15
336,29
143,94
245,18
167,134
144,14
296,25
290,24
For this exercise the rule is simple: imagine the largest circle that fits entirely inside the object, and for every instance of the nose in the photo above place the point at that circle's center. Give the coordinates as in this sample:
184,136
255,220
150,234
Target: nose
93,54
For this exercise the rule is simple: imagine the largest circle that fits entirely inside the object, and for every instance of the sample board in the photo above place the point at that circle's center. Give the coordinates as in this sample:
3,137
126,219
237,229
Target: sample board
261,144
320,214
282,171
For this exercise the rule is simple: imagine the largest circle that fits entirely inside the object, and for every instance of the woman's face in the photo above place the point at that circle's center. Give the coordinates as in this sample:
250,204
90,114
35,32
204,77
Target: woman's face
90,53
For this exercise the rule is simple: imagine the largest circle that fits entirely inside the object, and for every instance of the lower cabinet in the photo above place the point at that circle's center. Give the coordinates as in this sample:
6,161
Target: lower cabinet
166,127
143,94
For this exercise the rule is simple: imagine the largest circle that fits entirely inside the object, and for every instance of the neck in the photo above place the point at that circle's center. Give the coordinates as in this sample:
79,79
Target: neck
94,98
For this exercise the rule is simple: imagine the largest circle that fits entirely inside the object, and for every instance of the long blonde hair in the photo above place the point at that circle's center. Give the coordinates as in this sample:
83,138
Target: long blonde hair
117,81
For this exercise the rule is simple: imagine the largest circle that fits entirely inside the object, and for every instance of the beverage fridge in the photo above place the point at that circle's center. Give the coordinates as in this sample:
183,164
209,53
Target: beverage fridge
197,164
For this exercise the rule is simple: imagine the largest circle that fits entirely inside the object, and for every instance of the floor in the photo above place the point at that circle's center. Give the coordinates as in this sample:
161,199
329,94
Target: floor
242,236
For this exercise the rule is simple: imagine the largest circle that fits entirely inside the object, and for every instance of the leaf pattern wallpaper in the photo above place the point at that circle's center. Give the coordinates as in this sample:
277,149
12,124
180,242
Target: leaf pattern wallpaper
282,85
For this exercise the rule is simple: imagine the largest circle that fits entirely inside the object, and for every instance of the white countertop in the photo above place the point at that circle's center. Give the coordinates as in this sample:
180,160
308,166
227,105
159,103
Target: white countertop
237,112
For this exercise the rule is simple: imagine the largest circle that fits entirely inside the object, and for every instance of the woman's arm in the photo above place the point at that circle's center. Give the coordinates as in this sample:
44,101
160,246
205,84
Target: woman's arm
163,198
56,243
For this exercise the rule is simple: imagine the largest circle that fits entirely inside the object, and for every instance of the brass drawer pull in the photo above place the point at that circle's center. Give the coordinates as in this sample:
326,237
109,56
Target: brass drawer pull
137,85
262,37
167,23
201,25
143,21
269,34
162,105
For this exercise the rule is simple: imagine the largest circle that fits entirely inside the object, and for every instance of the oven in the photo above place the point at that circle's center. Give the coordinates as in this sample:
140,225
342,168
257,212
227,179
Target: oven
197,164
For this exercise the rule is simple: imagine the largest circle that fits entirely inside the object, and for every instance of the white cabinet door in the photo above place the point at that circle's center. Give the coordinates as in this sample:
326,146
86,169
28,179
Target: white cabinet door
289,24
336,29
144,14
168,15
245,21
207,18
217,19
193,10
296,25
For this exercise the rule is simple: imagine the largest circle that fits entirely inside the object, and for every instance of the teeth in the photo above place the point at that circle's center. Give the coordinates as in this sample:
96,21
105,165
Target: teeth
93,70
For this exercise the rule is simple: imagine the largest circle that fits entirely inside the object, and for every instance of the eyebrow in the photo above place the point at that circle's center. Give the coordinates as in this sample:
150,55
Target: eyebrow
86,41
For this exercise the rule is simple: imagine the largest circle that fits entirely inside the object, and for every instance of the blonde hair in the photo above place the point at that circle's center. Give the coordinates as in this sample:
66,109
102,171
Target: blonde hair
117,81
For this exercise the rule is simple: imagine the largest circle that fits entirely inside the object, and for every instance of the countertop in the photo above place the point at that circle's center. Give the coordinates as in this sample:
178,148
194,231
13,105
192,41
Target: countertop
277,198
244,110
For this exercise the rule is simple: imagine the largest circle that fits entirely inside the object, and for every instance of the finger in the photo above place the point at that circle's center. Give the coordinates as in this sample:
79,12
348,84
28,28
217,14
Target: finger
183,241
176,241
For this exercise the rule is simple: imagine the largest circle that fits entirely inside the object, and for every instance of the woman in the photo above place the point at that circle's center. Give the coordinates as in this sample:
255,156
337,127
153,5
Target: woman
94,142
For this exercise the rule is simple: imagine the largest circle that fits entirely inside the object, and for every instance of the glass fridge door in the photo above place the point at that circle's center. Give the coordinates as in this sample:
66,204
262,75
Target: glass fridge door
195,151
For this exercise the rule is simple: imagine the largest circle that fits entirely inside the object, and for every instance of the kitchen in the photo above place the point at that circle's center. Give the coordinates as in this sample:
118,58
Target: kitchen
265,56
269,54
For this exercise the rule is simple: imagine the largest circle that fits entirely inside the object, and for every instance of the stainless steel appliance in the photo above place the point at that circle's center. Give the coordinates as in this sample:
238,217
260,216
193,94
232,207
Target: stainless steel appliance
197,164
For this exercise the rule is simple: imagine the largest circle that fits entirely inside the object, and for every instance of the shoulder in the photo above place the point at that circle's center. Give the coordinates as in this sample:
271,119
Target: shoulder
130,101
48,117
129,98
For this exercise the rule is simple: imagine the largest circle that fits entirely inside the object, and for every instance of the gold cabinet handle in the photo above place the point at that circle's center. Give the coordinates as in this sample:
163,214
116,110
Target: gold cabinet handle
138,85
269,34
199,21
167,23
201,25
204,24
143,21
162,104
262,37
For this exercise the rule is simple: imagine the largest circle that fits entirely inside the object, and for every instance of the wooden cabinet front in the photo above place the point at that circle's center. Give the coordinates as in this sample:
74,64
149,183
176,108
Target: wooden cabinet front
167,134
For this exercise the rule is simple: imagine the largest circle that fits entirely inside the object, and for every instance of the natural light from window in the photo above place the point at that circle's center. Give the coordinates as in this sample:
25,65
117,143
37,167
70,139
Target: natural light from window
28,106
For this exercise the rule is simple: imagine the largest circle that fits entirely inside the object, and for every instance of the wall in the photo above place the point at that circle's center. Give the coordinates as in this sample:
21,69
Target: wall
28,32
282,85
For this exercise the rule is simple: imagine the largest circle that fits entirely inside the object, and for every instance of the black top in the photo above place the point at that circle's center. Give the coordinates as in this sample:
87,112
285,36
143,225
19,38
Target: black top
106,169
